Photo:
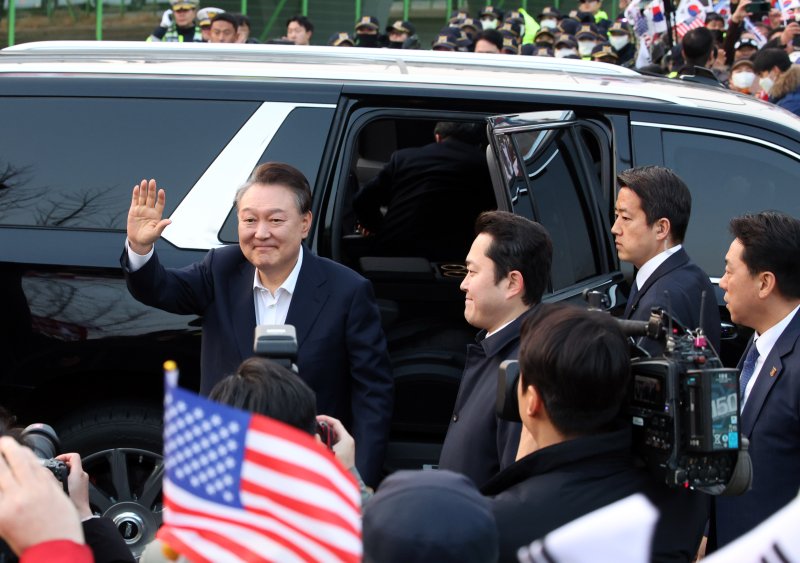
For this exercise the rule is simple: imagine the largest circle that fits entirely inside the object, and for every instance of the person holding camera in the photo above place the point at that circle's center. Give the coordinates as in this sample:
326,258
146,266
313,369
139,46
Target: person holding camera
652,213
574,379
508,268
269,278
762,291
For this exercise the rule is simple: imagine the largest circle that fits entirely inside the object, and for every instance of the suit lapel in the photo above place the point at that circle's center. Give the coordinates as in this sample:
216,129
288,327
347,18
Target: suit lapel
770,372
243,307
674,262
310,295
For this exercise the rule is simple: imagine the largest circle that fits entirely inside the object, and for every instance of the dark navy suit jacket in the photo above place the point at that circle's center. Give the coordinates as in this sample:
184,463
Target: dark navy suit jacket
341,346
685,283
771,421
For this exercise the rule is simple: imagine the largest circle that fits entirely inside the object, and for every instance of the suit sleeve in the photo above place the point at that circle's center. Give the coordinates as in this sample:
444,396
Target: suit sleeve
375,193
185,291
372,387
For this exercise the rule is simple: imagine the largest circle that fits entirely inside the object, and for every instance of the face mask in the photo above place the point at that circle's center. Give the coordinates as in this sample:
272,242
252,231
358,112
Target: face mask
366,40
561,53
549,24
585,47
766,83
618,41
743,79
489,24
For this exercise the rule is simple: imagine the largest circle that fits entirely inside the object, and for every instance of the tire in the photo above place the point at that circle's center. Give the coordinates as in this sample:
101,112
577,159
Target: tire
120,447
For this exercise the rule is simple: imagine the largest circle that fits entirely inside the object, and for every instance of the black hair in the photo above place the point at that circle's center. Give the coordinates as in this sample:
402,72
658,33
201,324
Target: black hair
264,387
697,46
493,36
244,21
663,195
771,241
282,174
465,131
518,244
302,20
767,59
232,19
578,362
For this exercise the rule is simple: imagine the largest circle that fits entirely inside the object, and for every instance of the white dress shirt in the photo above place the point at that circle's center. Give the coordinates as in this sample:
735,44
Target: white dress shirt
652,265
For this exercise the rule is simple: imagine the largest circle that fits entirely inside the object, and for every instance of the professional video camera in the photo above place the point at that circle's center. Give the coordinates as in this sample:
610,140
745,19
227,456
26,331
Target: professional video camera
684,408
279,344
42,439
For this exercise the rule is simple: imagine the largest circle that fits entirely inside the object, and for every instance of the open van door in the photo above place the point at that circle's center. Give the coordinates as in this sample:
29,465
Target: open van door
548,166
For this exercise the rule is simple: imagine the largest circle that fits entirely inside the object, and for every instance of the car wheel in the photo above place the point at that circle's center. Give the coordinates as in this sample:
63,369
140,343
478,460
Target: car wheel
120,448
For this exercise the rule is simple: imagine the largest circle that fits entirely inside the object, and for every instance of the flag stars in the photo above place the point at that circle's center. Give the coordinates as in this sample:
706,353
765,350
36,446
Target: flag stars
233,427
216,420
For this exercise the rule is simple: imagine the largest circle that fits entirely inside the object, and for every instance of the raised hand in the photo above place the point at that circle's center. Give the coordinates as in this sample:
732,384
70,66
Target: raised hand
145,217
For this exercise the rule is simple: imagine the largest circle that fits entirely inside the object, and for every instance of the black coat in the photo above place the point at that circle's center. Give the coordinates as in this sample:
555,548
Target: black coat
560,483
433,194
478,443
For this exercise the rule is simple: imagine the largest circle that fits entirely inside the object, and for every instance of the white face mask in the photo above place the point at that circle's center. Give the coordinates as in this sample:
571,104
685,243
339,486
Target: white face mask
585,47
549,24
618,41
560,53
489,24
743,79
766,83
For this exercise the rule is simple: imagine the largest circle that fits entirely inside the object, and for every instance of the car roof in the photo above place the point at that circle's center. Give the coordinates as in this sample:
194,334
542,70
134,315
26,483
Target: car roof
353,64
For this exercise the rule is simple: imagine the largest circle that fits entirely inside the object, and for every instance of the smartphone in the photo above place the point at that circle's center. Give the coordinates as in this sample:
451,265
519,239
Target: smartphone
325,434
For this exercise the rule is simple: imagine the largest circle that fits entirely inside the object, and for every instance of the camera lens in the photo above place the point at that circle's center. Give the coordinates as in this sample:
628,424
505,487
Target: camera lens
42,439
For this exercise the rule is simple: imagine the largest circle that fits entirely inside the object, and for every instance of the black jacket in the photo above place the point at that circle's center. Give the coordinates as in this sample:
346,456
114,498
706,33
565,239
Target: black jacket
557,484
478,443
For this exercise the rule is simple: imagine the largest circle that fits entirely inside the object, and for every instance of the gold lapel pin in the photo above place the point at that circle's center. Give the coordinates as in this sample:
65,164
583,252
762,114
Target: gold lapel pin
773,371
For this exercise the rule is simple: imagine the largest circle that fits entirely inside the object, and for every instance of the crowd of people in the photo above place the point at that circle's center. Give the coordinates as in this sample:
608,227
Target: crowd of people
734,45
502,483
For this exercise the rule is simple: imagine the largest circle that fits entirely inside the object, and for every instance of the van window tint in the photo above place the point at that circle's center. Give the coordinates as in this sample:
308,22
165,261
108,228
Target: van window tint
727,177
553,177
72,162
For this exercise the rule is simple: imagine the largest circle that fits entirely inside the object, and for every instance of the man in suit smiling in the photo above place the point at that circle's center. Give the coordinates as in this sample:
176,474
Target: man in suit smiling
270,278
762,291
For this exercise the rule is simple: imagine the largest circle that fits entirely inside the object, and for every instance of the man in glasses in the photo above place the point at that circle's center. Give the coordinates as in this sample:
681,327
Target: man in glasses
178,24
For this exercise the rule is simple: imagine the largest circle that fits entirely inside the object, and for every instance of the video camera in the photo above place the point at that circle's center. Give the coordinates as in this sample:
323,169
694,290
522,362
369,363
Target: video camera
279,344
683,406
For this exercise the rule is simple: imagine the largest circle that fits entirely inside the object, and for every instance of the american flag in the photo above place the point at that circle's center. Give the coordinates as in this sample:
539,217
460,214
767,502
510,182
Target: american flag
683,28
244,487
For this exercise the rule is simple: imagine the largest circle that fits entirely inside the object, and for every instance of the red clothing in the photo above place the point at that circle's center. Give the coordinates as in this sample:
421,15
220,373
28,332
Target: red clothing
57,551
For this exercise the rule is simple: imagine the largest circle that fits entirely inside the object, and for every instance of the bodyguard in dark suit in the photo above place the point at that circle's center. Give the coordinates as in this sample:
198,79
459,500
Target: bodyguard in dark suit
762,291
432,195
271,279
652,209
508,268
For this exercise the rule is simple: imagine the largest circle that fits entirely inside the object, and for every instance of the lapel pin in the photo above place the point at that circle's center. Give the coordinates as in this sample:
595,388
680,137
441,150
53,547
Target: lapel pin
773,371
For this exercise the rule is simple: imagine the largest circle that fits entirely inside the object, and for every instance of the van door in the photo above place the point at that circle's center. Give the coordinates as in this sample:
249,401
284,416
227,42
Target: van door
545,167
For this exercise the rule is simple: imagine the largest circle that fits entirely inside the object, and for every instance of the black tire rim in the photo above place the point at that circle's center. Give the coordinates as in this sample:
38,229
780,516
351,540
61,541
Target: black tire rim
125,485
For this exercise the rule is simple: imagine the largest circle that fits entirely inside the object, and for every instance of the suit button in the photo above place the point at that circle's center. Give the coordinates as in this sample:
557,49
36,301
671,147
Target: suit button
455,418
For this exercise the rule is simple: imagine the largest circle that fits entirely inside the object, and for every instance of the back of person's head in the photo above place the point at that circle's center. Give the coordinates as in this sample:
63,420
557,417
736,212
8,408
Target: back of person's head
282,174
493,36
301,20
578,362
767,59
429,517
264,387
771,241
662,194
698,44
518,244
465,131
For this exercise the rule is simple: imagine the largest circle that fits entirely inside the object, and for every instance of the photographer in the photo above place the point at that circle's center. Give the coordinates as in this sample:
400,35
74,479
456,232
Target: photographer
574,378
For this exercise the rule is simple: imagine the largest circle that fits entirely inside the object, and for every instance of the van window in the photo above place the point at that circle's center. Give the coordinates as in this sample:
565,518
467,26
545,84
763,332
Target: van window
72,162
727,177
